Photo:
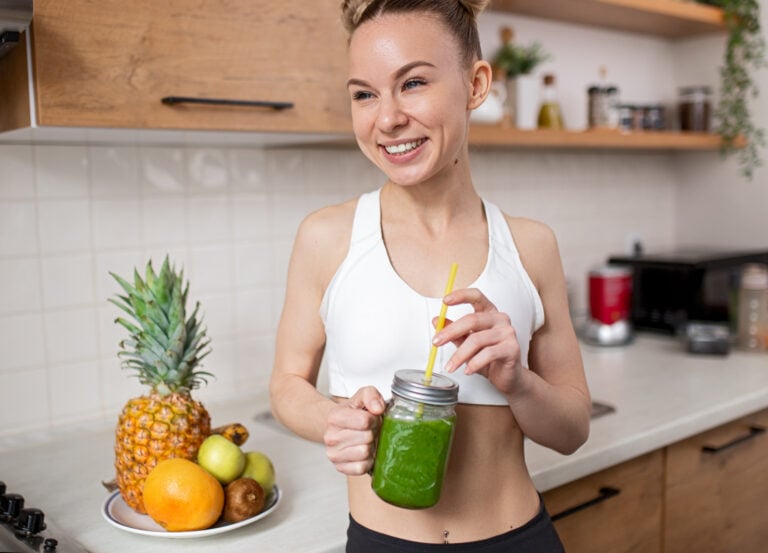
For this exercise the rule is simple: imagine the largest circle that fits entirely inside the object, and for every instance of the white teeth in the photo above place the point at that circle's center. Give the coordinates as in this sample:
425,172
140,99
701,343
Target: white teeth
402,148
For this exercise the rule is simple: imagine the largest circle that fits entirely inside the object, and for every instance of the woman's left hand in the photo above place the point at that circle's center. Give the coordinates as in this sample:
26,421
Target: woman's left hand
485,341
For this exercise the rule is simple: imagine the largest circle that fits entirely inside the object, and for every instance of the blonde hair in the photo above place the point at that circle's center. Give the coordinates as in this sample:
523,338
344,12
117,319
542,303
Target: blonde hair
459,17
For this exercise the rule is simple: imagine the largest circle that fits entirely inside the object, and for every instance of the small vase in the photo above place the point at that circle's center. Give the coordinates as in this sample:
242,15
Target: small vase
523,100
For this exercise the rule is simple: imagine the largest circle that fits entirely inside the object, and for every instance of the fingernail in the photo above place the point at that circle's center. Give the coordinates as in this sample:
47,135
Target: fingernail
448,367
448,298
437,340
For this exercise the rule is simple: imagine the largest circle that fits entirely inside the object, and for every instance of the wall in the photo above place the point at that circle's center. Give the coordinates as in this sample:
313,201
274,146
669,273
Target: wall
717,207
70,214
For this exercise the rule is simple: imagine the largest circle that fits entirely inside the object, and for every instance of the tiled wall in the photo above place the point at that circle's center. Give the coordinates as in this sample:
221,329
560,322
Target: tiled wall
71,214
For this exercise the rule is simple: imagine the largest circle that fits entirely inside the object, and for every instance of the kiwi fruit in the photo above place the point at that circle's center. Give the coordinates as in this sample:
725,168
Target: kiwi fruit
243,498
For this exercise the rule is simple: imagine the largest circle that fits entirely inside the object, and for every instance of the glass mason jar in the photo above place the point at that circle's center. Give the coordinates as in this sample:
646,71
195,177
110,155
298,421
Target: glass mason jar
694,108
415,440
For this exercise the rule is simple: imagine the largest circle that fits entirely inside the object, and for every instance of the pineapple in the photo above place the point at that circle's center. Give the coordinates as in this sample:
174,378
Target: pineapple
165,348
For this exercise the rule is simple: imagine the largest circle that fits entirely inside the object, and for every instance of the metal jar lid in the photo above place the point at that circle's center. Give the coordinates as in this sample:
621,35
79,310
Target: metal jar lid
409,384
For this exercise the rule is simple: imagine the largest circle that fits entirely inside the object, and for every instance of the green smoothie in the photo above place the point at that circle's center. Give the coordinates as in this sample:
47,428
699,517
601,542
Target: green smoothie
410,460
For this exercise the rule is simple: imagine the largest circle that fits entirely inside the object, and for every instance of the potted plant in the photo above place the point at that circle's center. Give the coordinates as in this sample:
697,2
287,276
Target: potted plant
517,62
744,54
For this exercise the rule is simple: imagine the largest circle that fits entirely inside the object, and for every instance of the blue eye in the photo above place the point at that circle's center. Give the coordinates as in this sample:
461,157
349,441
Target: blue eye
361,95
413,83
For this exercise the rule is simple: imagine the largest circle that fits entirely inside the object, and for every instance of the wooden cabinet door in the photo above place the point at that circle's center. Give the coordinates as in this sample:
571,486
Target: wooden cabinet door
617,510
717,489
109,63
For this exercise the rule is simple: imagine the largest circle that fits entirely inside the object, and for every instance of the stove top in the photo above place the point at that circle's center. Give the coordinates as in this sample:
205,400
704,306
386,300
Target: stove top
26,530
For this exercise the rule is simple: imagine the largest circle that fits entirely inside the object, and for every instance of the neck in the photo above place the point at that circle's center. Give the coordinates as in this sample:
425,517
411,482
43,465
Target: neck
437,203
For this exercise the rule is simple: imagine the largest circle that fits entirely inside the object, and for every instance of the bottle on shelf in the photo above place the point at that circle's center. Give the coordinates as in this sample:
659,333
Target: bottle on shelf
753,308
550,116
603,105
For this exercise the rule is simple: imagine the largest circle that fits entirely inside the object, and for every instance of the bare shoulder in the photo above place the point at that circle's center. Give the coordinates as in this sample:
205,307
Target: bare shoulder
323,239
537,245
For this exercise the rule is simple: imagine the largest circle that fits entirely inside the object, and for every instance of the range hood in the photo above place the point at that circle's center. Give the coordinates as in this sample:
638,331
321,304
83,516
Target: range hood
15,16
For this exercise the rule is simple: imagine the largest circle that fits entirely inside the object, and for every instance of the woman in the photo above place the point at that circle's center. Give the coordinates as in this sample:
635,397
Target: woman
365,284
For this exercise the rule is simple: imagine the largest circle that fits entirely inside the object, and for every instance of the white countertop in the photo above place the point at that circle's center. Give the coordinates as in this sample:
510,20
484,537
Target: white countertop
661,395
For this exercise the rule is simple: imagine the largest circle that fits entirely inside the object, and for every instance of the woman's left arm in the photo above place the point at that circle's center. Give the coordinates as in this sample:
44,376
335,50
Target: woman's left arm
548,395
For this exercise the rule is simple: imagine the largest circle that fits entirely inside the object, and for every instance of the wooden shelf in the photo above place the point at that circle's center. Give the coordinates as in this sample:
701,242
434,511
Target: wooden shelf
493,135
666,18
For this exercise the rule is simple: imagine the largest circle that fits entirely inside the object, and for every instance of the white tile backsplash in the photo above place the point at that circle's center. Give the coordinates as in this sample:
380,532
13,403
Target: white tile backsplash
21,341
114,171
61,171
64,226
67,281
228,216
18,233
20,286
17,173
116,223
71,335
25,404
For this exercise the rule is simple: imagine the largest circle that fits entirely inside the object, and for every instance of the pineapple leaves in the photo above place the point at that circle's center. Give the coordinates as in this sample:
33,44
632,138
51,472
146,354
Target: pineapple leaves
164,346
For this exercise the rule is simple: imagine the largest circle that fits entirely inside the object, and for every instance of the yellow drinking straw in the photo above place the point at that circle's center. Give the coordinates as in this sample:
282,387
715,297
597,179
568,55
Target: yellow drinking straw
440,325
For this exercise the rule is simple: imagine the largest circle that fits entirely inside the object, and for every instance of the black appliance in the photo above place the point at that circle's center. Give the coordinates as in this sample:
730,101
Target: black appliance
25,529
688,285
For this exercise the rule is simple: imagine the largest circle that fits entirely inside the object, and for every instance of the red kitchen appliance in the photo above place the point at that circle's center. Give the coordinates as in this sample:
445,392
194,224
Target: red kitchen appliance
610,295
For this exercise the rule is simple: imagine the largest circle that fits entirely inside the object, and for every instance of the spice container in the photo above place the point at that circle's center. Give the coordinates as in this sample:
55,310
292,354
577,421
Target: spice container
753,307
694,108
415,440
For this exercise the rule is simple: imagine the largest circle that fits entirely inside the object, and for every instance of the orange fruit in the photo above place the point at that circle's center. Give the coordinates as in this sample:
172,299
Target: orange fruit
180,495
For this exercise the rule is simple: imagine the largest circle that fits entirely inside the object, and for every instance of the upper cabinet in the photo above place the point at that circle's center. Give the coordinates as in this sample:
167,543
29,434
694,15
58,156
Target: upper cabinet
667,18
116,64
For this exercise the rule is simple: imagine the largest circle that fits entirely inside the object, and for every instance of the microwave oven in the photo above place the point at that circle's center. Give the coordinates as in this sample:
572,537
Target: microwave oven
670,289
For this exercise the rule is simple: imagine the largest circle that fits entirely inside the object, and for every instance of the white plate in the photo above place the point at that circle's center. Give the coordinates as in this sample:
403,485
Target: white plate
120,515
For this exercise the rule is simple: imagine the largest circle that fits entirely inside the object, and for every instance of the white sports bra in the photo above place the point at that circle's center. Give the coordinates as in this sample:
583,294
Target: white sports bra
376,324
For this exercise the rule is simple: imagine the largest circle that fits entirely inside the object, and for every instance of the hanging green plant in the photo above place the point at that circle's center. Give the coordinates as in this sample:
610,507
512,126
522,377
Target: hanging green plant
744,54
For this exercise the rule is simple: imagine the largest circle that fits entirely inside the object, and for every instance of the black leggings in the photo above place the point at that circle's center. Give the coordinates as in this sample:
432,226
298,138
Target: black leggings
538,535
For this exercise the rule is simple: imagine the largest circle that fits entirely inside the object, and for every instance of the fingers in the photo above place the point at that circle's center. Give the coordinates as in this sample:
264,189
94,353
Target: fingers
351,431
473,297
470,324
481,349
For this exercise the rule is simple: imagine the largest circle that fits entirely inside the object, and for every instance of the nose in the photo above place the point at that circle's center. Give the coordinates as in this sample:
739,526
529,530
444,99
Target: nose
391,115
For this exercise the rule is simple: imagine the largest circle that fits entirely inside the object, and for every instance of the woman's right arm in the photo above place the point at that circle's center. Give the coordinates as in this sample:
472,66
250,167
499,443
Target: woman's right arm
349,426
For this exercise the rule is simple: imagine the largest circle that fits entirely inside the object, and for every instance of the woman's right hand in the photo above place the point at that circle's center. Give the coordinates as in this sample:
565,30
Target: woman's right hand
351,431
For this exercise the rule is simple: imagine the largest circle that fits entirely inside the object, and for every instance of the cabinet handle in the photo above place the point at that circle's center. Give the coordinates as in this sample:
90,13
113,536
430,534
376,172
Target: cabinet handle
753,431
172,100
605,493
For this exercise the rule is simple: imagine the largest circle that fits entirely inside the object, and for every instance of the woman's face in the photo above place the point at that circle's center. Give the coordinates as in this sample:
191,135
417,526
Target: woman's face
411,95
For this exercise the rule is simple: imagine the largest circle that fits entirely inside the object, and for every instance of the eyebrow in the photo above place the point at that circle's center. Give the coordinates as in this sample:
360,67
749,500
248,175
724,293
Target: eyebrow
398,74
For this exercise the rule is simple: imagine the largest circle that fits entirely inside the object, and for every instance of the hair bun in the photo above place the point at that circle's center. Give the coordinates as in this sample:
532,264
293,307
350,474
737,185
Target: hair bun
352,11
474,7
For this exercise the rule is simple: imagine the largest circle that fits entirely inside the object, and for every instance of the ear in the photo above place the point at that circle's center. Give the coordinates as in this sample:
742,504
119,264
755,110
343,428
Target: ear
480,84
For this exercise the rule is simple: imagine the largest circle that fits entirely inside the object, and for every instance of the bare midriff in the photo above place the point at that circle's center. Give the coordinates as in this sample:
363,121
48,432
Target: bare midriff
487,490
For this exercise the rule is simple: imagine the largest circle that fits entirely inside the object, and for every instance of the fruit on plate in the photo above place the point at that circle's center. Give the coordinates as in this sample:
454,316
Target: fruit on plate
243,498
164,349
222,458
259,467
181,496
234,432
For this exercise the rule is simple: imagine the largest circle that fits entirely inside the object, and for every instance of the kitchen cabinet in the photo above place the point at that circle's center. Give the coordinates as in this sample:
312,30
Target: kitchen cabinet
717,489
110,64
618,509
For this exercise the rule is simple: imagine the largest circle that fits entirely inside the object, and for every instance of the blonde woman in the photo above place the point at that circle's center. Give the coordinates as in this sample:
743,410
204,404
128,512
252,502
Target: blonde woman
365,284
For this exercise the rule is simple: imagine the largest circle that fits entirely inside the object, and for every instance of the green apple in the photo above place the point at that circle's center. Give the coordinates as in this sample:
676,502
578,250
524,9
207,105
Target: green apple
222,458
259,467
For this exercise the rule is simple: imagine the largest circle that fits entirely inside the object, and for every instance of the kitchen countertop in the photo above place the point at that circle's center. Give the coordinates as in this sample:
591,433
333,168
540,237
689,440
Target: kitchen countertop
661,395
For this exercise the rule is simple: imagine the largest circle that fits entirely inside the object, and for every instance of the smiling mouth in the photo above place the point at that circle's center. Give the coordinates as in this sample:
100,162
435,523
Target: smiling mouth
405,147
